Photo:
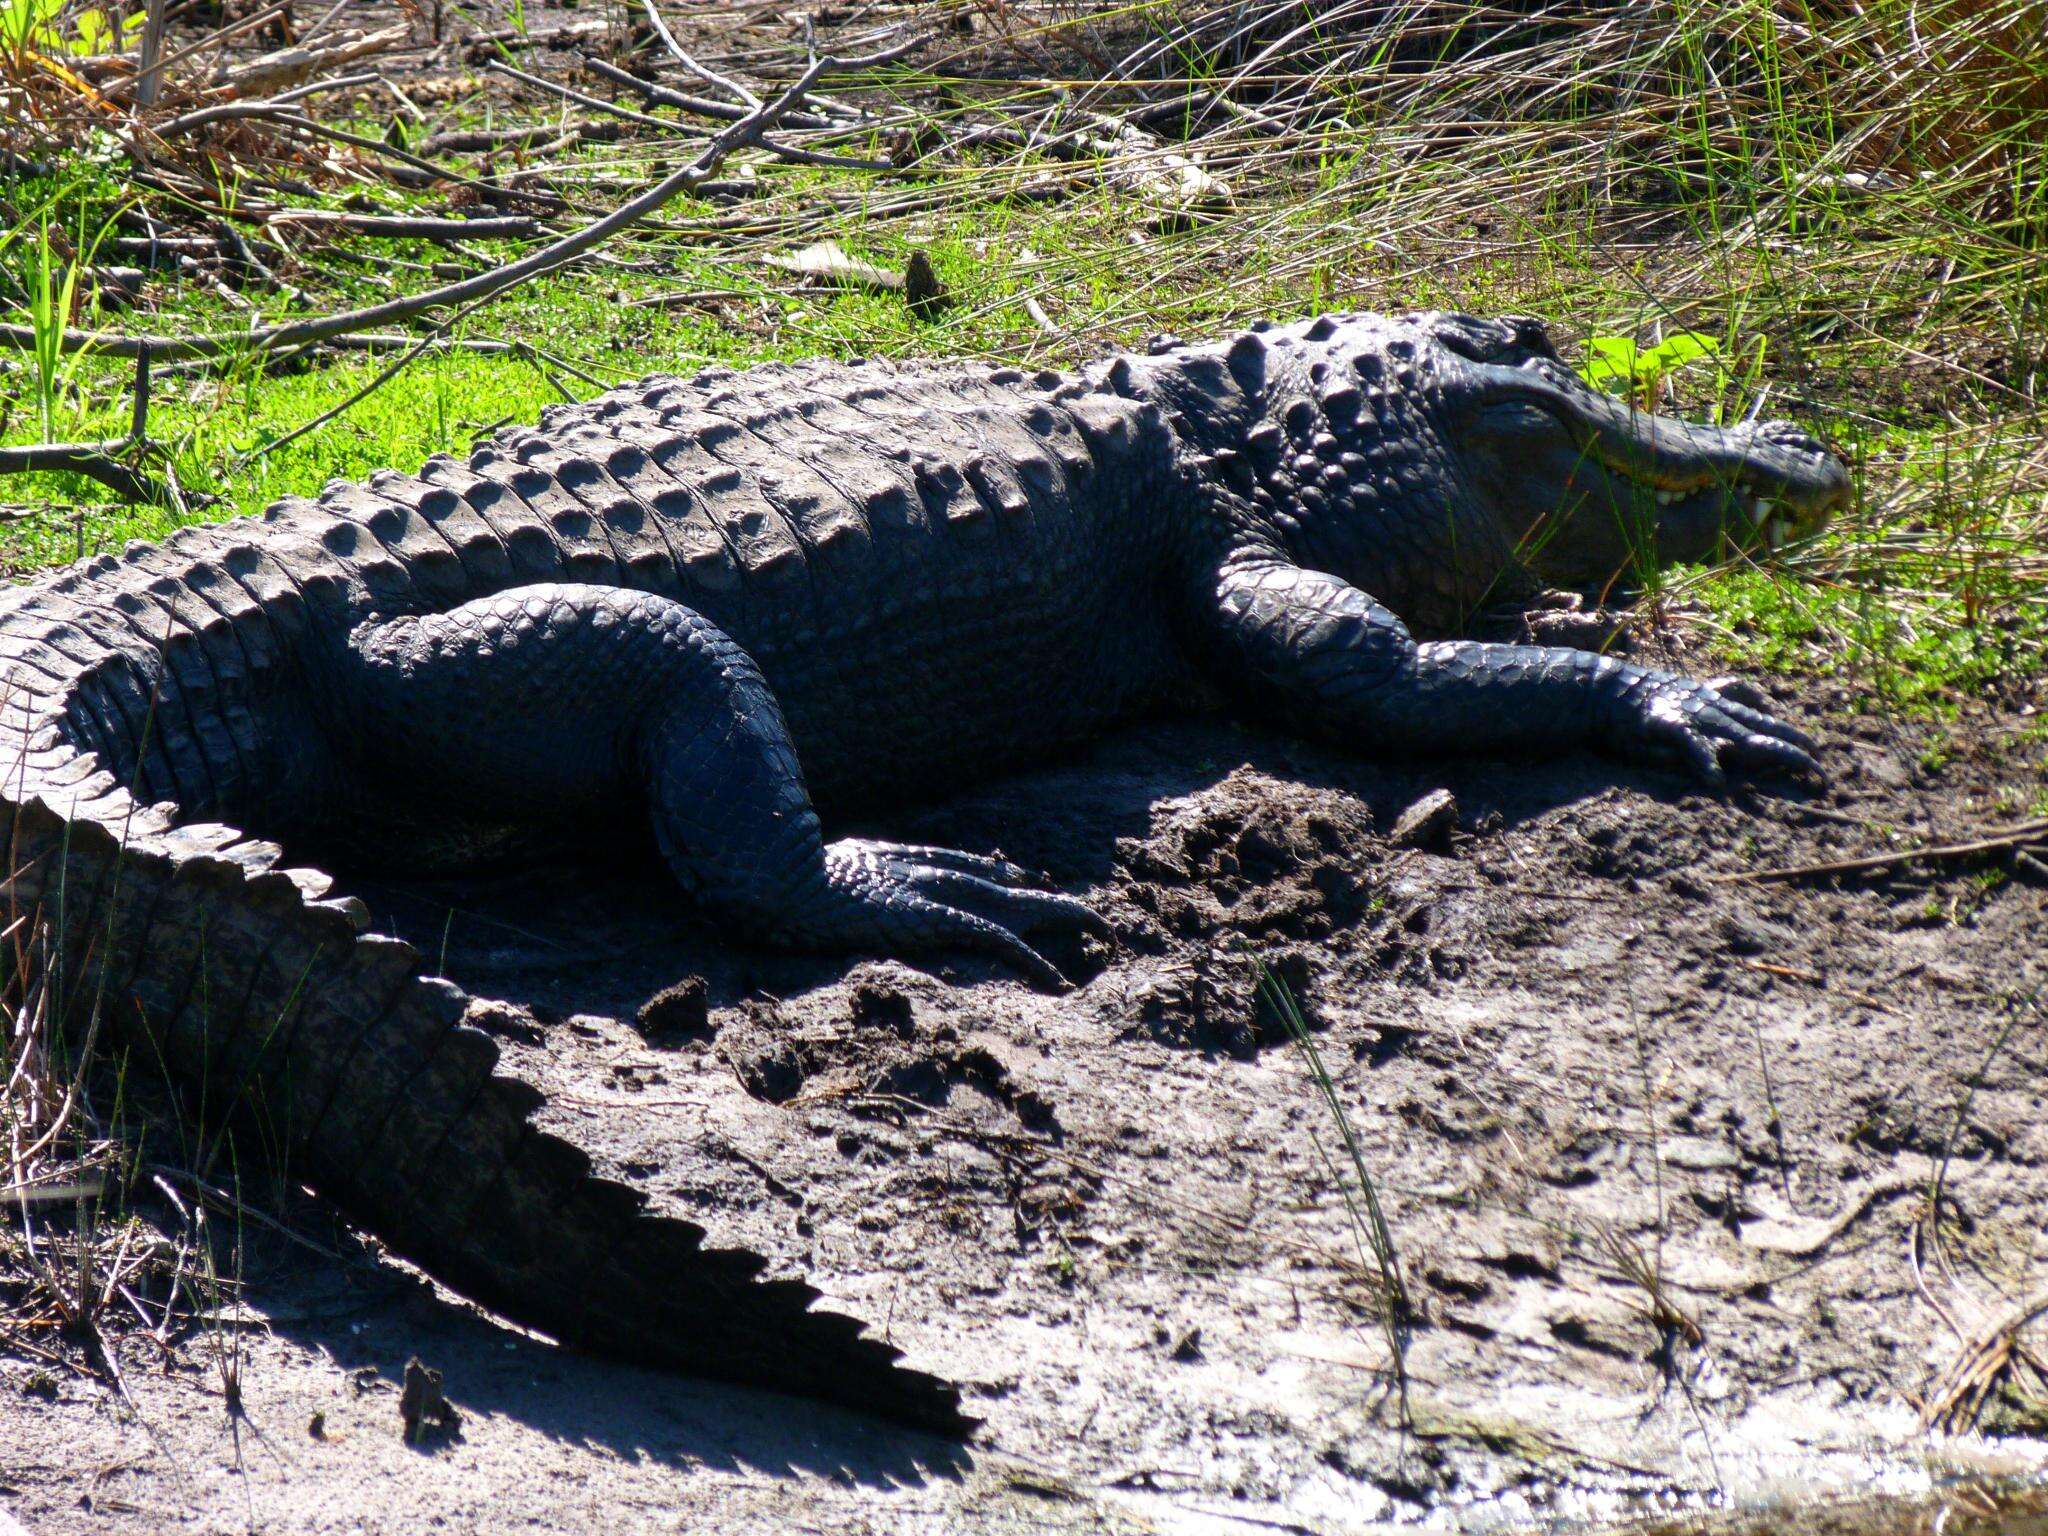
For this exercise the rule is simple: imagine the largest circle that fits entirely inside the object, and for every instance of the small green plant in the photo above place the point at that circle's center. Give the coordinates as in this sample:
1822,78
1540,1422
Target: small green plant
1623,366
1063,1267
1939,752
50,299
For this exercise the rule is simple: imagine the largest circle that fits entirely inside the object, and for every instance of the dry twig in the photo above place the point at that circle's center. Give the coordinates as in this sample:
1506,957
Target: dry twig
2017,836
485,284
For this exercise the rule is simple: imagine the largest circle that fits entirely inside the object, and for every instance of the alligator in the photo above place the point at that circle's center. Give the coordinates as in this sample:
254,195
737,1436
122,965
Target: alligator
718,607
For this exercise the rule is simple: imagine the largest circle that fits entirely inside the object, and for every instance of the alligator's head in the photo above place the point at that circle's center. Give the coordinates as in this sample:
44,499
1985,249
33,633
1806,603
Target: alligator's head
1585,483
1470,442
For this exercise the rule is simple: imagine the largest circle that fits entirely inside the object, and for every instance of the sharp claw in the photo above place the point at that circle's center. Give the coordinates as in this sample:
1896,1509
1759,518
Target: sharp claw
1024,958
1015,907
1758,723
1704,754
1771,752
900,897
1713,726
986,866
1741,690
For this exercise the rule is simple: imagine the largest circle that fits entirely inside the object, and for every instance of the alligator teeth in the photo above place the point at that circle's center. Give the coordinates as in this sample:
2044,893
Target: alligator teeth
1665,498
1774,534
1759,510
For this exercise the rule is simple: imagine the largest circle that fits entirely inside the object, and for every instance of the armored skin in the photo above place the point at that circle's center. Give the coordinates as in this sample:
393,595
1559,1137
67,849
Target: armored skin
708,611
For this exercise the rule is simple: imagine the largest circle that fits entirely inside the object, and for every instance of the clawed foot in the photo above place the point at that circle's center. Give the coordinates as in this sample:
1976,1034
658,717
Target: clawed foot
898,897
1709,727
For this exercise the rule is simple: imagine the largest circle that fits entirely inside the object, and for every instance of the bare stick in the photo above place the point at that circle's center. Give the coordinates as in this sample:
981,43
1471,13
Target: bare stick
408,227
484,284
1991,842
596,103
710,77
94,460
318,87
701,105
269,111
138,418
469,141
149,78
478,44
656,94
291,66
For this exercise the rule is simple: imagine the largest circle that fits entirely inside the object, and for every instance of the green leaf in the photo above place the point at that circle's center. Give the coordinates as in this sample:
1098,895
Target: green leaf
1616,351
1611,360
1683,347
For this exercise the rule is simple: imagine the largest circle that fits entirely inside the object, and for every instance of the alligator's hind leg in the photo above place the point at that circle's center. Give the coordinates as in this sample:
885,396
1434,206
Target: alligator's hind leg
550,700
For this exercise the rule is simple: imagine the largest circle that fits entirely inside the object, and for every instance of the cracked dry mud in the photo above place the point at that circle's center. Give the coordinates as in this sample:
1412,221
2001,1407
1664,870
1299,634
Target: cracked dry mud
1652,1145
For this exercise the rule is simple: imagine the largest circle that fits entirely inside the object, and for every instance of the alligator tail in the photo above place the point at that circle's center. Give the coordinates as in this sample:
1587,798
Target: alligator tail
273,1005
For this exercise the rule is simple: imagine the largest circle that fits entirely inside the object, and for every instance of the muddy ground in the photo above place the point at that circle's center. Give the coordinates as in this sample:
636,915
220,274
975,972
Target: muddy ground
1658,1150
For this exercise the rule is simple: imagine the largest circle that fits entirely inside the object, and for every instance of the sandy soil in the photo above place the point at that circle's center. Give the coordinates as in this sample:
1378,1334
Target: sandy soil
1656,1147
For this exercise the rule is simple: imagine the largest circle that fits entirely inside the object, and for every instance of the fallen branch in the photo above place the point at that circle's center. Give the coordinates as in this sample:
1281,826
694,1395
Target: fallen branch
484,284
539,37
702,106
331,83
97,461
146,78
293,66
658,96
583,99
2013,837
270,111
469,141
408,227
748,100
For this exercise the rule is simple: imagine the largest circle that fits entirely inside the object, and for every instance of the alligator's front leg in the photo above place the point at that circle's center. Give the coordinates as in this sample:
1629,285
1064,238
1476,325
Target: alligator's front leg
1332,663
544,701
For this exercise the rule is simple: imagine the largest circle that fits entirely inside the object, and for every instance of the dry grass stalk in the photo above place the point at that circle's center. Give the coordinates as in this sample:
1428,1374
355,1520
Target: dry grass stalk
1997,1359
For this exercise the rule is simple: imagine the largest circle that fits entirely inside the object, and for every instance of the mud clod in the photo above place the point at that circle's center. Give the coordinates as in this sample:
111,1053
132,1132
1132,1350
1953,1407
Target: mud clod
1241,862
1428,823
877,1005
677,1013
429,1418
505,1020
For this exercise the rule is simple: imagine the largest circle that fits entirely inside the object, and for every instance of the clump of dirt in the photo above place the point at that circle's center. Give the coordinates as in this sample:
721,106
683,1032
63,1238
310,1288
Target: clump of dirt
677,1012
1238,862
886,1056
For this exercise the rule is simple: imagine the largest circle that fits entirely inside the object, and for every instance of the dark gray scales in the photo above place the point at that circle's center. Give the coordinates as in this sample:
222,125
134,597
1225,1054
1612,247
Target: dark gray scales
694,614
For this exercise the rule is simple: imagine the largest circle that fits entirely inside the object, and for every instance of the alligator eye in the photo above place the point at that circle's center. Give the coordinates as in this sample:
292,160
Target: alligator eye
1494,341
1531,335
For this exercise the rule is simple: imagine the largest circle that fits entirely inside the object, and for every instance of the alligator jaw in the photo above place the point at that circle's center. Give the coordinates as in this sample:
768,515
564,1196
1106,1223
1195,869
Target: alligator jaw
1783,482
1777,518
